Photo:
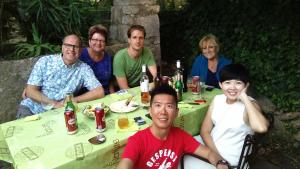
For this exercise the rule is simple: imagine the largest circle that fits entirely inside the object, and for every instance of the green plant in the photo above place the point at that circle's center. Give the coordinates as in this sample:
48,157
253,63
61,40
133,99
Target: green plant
290,128
49,17
56,18
53,20
36,48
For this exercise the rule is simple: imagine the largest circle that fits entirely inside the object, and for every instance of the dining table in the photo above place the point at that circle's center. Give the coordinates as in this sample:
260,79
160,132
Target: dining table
43,143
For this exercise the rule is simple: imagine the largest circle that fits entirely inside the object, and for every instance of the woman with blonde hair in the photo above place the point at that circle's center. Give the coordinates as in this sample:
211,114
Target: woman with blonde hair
208,64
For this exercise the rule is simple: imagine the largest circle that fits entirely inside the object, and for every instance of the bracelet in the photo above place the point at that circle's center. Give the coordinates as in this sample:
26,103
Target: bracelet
222,162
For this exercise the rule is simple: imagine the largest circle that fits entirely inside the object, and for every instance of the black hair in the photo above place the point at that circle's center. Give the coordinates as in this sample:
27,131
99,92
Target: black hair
236,72
163,89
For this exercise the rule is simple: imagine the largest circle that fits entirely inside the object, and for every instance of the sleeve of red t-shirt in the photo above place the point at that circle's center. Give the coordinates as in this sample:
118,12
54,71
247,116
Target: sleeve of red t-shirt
131,150
190,144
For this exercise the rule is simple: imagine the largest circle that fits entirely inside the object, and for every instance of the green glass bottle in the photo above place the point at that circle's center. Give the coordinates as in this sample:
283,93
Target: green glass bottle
179,87
70,105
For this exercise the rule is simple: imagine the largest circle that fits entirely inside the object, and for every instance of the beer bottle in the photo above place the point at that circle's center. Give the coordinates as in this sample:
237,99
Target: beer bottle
178,69
70,105
178,72
179,87
70,115
144,85
157,79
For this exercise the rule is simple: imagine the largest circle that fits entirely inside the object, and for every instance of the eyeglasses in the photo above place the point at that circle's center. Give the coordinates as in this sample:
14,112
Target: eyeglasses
98,40
208,47
169,106
70,46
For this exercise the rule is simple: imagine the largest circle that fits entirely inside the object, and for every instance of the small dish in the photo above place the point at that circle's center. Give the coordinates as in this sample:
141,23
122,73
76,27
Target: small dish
89,110
97,139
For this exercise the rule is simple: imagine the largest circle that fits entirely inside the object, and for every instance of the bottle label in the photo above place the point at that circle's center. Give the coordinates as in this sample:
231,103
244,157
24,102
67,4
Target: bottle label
145,86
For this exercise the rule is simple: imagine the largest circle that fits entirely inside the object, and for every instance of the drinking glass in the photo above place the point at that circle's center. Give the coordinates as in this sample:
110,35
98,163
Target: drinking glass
123,121
189,83
202,89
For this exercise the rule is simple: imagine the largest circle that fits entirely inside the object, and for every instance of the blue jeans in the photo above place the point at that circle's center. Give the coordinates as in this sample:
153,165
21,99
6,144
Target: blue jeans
23,111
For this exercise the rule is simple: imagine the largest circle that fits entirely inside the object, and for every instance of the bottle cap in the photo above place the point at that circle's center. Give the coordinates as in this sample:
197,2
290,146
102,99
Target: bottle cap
178,64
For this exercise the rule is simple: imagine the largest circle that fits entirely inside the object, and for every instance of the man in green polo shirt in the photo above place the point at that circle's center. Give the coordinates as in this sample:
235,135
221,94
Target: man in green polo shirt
127,65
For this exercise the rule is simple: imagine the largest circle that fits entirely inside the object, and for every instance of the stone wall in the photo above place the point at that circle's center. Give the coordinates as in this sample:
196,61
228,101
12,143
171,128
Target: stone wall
14,75
125,13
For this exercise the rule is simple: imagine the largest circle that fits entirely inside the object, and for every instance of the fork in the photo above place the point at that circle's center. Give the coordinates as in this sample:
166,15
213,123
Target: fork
128,100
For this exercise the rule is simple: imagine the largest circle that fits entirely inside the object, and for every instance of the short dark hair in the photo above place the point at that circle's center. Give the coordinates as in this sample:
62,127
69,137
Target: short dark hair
163,89
98,29
136,27
234,71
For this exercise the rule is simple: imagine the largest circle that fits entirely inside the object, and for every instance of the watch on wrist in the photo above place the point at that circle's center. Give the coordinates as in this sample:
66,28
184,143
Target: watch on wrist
223,162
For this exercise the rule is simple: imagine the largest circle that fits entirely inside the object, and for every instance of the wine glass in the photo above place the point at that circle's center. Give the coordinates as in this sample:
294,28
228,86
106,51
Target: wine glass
189,83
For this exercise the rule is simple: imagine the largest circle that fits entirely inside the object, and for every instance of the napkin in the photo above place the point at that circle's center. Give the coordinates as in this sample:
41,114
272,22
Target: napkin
121,95
132,126
32,118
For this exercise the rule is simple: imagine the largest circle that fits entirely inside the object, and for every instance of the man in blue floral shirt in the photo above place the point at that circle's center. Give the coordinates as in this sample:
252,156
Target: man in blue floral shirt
53,76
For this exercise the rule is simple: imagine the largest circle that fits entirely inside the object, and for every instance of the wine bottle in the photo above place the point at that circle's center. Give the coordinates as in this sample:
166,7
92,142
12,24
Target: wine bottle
144,85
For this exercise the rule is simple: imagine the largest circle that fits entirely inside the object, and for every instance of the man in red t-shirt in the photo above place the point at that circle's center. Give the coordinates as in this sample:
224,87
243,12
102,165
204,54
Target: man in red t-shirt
161,145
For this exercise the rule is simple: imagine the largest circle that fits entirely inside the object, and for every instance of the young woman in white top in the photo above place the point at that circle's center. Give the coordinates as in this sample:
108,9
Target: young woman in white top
232,115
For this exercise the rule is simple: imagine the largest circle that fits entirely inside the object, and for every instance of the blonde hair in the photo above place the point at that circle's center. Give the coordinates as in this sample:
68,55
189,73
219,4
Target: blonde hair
209,37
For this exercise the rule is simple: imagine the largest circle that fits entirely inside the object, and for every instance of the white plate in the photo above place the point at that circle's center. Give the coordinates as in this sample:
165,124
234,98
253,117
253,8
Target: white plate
120,107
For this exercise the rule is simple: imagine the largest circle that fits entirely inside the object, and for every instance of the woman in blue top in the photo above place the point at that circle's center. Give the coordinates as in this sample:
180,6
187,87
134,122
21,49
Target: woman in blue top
96,57
208,64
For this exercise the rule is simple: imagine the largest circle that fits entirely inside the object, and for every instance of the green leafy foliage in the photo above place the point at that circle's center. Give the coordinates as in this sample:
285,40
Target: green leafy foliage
37,48
262,35
56,18
53,20
290,128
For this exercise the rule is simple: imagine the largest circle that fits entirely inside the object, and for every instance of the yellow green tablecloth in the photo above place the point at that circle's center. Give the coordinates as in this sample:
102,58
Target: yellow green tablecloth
45,144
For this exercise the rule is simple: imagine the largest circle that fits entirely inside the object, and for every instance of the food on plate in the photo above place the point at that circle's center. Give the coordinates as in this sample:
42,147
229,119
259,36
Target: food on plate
200,101
89,109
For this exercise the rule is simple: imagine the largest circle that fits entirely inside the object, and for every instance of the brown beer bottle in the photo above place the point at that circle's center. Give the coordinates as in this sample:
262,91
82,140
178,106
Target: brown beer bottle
157,79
